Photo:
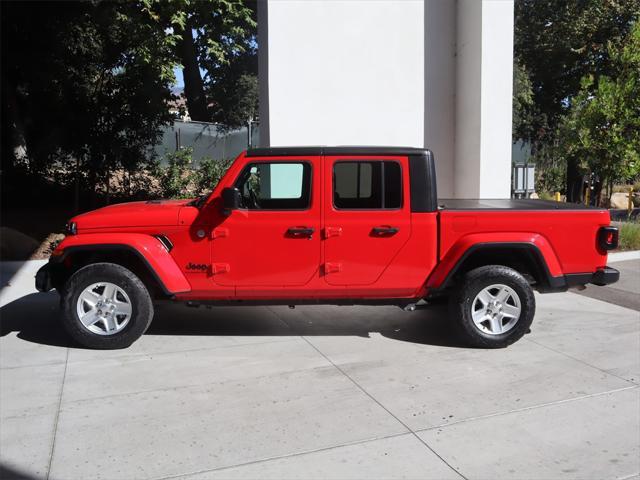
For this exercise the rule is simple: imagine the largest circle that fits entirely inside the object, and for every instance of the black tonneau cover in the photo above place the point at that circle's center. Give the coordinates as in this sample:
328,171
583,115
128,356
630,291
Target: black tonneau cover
505,204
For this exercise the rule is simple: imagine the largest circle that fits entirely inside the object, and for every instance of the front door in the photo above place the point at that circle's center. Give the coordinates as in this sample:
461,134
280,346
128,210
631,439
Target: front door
366,217
274,239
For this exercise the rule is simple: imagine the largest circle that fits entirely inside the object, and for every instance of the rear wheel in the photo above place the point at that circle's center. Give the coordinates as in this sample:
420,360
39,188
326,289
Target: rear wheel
494,307
106,306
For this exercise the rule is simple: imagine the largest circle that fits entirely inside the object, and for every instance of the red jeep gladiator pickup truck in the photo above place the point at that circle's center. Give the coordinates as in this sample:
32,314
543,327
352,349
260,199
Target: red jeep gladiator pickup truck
326,225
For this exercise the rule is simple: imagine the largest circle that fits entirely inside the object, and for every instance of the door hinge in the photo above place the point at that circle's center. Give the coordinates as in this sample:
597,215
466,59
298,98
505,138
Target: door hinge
330,267
332,232
217,268
220,233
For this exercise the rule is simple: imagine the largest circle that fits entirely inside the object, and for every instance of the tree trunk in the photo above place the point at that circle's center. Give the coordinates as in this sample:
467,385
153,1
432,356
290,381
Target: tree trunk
574,182
76,189
108,194
93,195
193,84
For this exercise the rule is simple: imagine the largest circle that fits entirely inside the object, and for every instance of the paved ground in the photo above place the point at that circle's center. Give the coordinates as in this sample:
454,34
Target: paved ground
625,292
322,392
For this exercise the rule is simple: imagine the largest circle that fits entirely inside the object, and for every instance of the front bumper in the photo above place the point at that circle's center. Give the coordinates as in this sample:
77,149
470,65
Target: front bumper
44,277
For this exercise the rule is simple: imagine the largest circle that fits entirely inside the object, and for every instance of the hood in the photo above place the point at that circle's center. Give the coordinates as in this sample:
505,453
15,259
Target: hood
133,214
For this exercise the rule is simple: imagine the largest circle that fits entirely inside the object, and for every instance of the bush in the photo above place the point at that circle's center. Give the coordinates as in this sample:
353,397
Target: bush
176,178
180,180
210,173
551,179
629,235
546,195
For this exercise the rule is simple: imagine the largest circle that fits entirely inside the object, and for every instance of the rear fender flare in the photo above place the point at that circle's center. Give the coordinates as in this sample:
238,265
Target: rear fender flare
535,243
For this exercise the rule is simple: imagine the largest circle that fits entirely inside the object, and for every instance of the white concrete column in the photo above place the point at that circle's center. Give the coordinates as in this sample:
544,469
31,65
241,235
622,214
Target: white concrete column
433,73
484,73
440,89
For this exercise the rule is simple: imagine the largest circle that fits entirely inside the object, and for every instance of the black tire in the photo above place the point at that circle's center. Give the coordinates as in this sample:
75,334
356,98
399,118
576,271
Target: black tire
140,300
461,306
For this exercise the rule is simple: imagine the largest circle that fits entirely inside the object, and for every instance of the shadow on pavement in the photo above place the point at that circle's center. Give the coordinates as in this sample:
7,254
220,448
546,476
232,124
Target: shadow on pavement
8,473
36,318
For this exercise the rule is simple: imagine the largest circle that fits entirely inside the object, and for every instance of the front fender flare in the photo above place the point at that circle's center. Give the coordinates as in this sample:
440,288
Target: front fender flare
146,247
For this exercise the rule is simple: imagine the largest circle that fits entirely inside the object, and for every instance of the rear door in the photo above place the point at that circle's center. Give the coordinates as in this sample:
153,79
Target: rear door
367,217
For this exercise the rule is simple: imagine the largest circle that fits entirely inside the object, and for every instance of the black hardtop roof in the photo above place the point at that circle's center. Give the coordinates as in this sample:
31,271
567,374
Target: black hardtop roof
338,150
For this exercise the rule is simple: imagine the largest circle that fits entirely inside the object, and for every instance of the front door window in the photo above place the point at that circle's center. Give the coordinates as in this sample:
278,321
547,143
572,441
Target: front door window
275,186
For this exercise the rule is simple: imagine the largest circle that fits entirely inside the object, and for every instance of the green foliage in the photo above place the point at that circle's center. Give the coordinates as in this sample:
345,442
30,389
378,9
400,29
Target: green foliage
551,179
227,52
545,195
629,236
179,179
557,44
85,86
602,127
525,115
561,41
209,174
238,100
176,178
224,47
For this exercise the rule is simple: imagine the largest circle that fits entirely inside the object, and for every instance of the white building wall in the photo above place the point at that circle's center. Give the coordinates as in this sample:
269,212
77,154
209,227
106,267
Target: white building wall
434,73
345,72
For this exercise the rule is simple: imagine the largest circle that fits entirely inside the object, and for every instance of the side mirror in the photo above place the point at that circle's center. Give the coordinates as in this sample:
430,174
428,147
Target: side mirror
231,199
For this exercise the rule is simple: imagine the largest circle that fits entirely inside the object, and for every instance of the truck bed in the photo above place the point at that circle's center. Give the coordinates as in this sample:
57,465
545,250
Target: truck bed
506,204
570,230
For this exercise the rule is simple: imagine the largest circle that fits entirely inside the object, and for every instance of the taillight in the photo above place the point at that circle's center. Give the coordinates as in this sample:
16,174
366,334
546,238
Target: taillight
607,238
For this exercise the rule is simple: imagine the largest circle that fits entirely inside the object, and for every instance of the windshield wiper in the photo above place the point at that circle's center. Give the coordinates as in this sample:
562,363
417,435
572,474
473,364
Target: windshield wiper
198,201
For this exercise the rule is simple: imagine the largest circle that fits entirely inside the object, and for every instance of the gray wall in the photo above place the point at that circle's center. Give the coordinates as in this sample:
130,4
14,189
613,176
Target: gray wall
206,139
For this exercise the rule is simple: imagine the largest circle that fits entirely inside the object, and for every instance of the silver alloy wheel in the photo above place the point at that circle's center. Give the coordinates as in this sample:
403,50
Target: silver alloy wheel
496,309
104,308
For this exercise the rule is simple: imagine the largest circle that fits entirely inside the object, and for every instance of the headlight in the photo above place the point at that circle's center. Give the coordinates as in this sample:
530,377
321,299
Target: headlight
72,228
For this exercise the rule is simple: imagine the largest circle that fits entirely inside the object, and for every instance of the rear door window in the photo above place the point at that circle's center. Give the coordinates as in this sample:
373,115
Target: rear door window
366,185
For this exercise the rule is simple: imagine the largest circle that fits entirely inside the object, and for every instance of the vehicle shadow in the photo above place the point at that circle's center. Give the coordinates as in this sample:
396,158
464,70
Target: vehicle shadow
9,473
36,318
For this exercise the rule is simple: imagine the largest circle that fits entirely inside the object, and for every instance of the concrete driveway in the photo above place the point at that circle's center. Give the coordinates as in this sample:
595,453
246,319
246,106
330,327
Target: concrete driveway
322,392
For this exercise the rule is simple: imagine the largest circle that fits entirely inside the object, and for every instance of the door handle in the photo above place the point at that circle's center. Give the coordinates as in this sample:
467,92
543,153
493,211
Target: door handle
301,232
384,231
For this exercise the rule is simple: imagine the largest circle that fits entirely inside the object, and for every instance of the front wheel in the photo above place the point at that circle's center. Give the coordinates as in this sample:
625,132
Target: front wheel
106,306
494,307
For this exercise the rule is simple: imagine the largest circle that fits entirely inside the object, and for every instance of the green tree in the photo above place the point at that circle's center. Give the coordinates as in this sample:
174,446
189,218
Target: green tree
217,37
557,43
84,86
238,104
524,107
601,132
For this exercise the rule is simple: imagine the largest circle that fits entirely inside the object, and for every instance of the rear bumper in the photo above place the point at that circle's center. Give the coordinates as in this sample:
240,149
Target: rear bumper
602,276
606,276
